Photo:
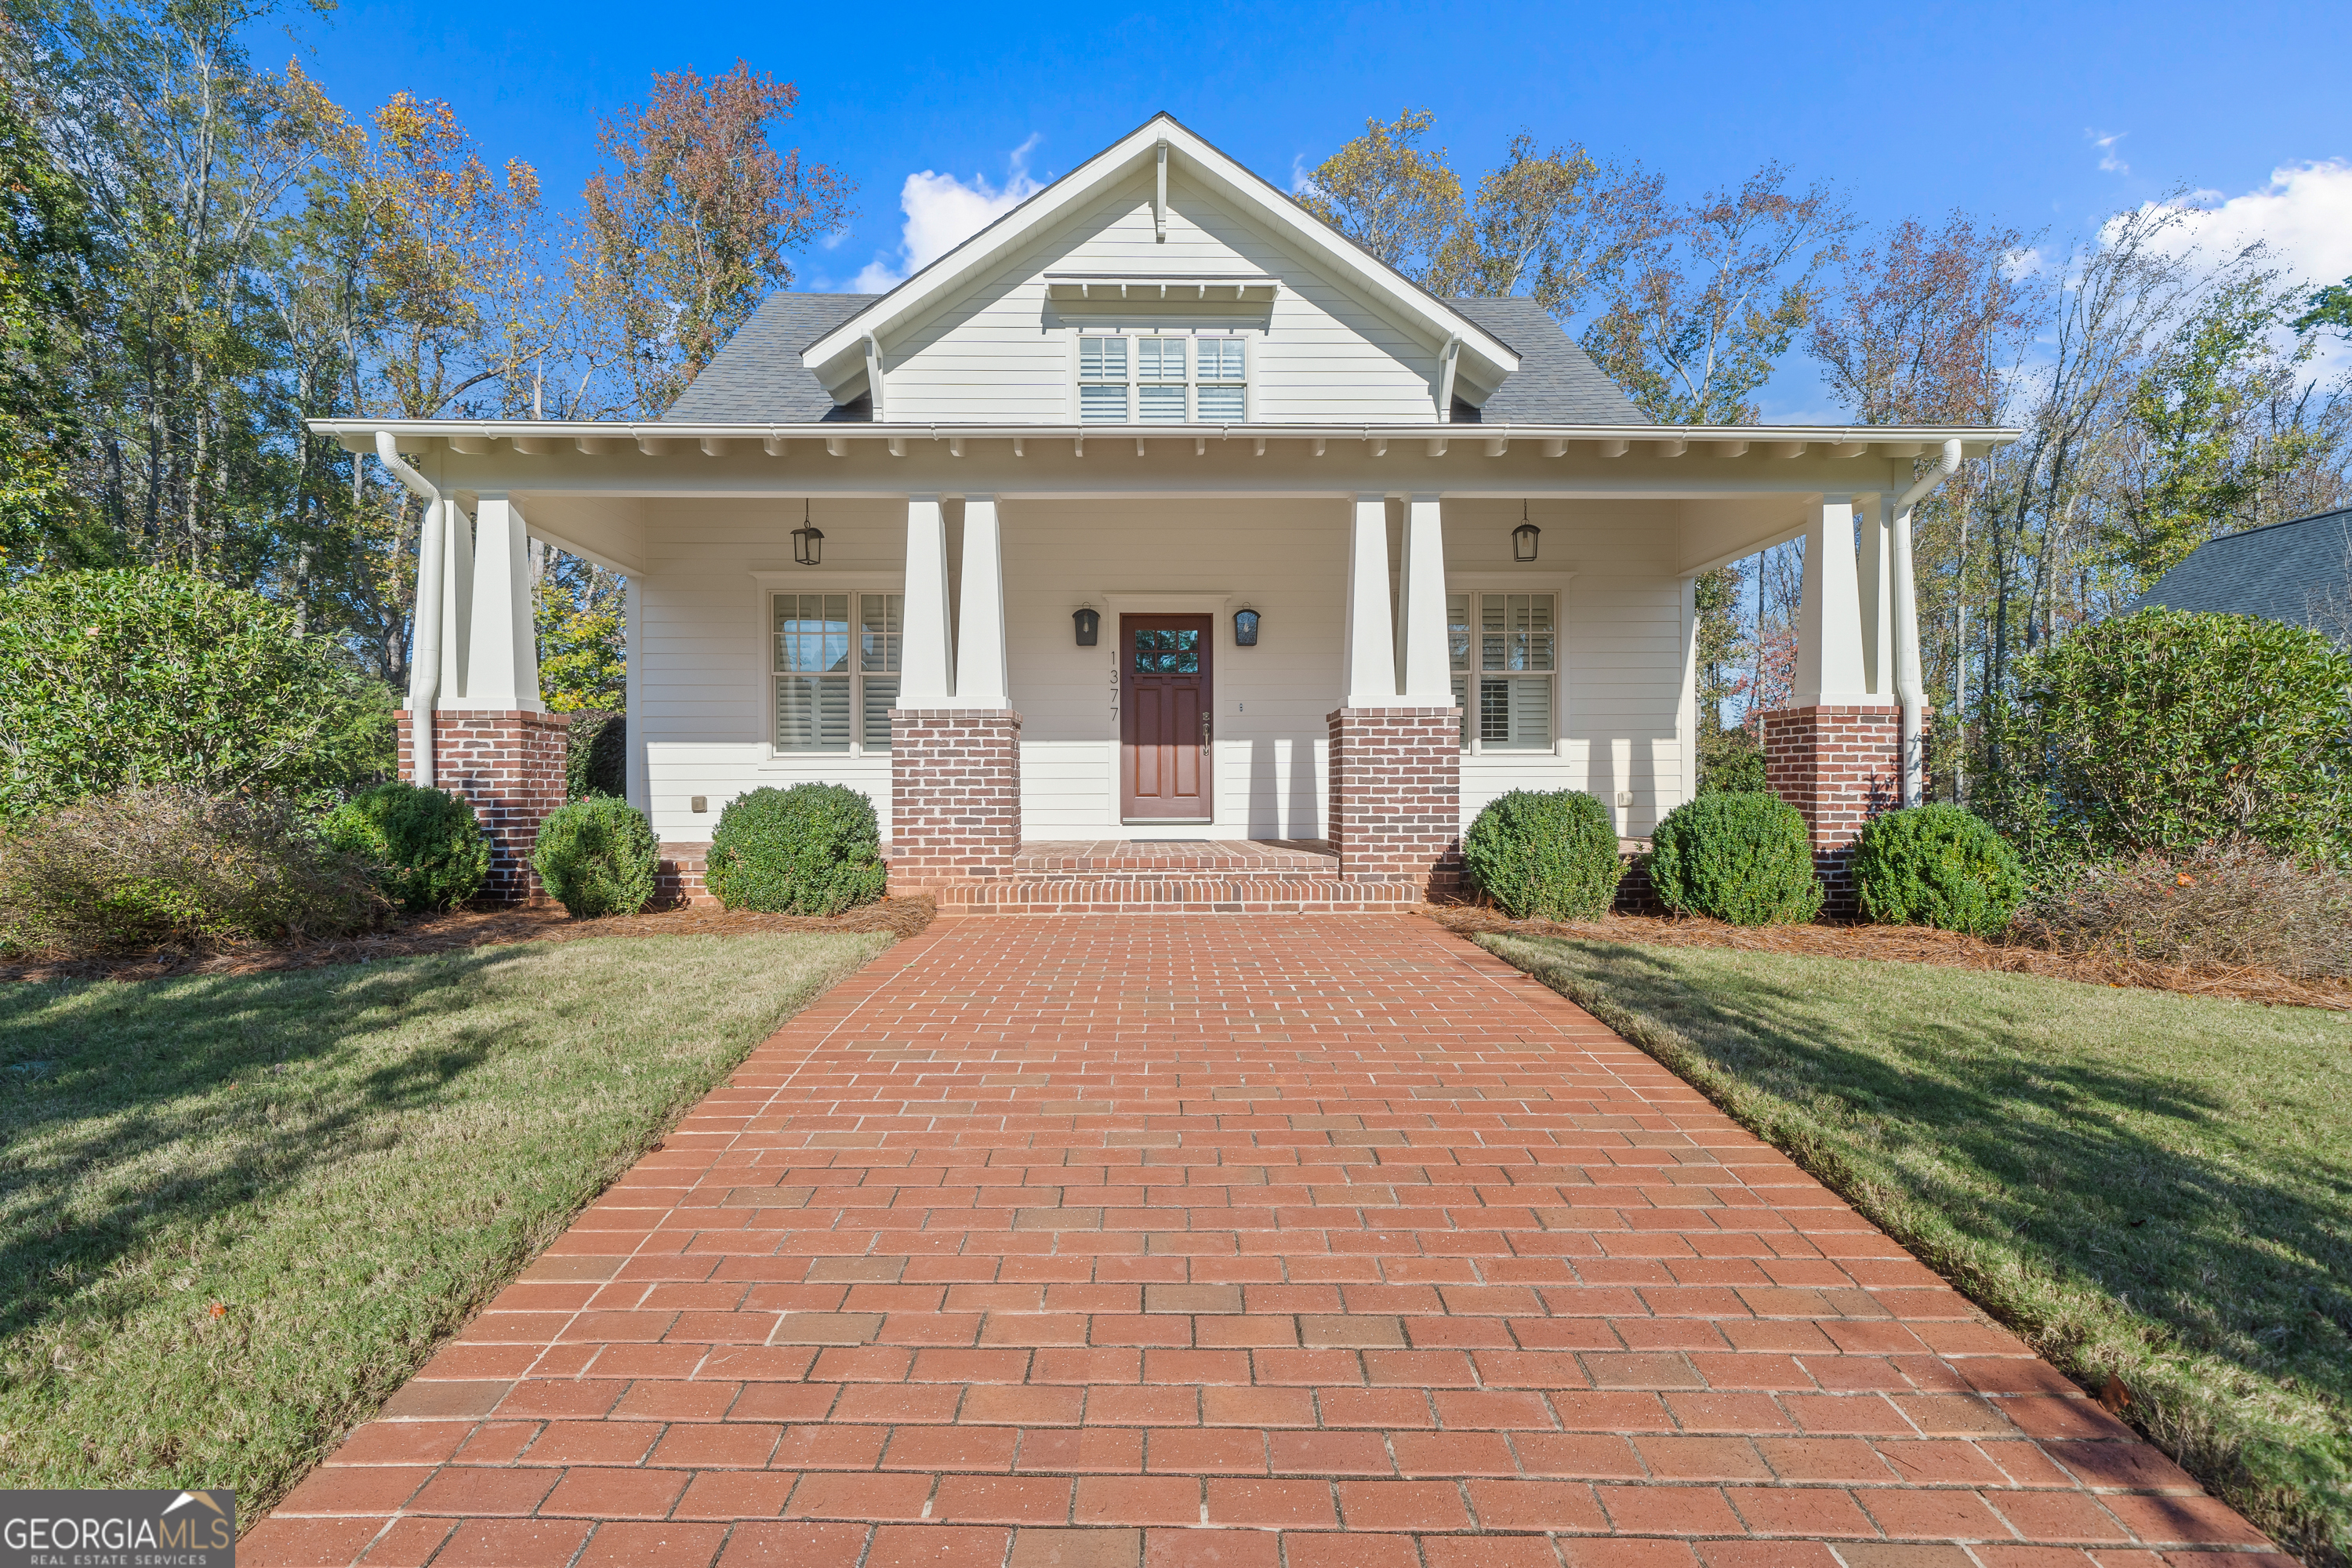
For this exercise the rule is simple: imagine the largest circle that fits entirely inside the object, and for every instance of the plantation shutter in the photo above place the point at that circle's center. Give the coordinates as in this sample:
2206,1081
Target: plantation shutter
1102,380
811,672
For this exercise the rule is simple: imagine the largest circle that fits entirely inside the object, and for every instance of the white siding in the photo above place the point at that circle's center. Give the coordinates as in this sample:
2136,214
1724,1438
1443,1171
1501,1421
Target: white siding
1001,351
703,689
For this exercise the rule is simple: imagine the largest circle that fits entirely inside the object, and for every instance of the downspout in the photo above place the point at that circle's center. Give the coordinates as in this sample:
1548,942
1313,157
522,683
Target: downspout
1909,686
425,652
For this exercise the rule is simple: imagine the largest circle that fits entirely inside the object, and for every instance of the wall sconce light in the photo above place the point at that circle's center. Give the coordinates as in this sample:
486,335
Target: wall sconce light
1246,628
1523,538
808,541
1090,624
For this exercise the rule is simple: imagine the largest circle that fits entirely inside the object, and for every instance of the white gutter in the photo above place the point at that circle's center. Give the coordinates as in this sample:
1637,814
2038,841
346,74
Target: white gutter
424,647
1909,684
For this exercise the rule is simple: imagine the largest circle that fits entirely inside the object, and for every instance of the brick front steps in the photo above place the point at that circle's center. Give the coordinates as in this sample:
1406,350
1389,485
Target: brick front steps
1172,876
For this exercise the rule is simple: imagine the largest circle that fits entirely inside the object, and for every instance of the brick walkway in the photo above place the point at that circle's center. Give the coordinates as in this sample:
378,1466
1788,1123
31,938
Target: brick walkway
1167,1241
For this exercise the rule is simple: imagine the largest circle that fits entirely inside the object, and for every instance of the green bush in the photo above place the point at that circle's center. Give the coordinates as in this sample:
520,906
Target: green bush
2161,731
1545,855
1737,856
812,849
427,851
143,868
596,760
596,856
110,680
1938,865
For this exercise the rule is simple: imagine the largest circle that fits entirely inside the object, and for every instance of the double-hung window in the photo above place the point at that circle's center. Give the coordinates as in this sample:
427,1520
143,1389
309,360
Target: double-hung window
1505,651
1162,378
837,669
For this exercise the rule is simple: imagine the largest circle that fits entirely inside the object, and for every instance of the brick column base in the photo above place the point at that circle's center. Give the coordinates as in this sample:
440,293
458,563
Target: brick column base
1840,767
955,794
1396,796
510,765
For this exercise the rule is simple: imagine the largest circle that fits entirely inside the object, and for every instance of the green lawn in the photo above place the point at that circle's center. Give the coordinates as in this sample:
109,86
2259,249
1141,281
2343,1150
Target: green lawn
348,1162
2150,1187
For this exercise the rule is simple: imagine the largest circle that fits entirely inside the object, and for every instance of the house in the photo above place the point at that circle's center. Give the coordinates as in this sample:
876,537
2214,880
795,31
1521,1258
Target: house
2298,572
1158,545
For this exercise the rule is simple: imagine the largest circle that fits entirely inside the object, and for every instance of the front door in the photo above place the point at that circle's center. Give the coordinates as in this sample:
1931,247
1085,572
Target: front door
1164,718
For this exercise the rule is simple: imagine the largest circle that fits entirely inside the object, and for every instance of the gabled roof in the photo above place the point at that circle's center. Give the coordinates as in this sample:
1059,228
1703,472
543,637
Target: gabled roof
2285,571
836,355
759,377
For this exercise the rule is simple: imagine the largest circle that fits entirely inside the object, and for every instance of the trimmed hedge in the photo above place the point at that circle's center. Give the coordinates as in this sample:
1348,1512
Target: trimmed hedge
1545,855
1938,865
597,857
1737,856
812,849
144,867
424,845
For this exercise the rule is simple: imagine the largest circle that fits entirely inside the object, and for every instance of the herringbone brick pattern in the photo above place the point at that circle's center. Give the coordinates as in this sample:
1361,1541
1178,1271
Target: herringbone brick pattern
1162,1241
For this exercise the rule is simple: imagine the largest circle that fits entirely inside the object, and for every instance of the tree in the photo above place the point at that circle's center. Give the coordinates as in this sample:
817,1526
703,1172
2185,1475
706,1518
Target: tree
2330,307
1548,225
44,285
579,609
689,229
1713,296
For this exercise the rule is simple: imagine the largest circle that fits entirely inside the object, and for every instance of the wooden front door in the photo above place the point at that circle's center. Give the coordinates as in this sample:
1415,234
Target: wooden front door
1164,720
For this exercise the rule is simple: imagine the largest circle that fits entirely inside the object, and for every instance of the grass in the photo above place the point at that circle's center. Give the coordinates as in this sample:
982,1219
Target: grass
237,1212
2154,1190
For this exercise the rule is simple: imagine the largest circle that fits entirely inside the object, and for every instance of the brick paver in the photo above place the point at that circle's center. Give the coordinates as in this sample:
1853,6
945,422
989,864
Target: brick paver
1164,1241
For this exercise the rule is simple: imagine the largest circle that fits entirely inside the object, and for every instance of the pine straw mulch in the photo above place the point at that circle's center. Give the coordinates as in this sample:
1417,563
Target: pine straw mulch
1915,944
467,928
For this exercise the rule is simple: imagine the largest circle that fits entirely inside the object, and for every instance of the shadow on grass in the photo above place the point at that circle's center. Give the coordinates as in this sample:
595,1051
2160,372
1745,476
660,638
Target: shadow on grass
2191,1160
157,1079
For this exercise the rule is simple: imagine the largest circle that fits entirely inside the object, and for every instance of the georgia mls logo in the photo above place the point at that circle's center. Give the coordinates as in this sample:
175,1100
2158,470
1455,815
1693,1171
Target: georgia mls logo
118,1529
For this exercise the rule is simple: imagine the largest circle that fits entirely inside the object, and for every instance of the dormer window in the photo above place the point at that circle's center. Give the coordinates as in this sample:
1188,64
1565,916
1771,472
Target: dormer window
1162,378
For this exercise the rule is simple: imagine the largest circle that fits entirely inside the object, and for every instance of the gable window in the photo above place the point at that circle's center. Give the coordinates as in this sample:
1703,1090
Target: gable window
836,677
1162,378
1102,380
1504,649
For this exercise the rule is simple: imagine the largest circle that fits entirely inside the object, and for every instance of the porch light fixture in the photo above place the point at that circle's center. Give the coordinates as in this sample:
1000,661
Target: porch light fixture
1090,623
1246,628
808,541
1523,538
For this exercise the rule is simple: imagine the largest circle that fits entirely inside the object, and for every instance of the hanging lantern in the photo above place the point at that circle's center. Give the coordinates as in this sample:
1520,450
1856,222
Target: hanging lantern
1090,623
1523,538
1246,628
808,541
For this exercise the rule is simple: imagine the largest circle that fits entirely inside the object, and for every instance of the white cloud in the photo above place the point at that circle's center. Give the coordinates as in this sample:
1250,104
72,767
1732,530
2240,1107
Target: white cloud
942,211
2109,160
2303,217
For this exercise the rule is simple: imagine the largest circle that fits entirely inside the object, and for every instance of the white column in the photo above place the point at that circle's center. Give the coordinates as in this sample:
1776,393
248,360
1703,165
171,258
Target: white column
1909,686
457,599
1369,673
980,671
926,661
1686,701
1829,623
1877,619
639,787
1424,671
502,653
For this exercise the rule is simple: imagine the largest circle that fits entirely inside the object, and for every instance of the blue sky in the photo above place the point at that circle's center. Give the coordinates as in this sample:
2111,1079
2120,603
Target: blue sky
2046,116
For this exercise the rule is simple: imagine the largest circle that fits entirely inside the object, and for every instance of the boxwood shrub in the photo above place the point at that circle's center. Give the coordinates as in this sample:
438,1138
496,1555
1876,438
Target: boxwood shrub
425,846
1545,855
596,856
1740,857
812,849
1938,865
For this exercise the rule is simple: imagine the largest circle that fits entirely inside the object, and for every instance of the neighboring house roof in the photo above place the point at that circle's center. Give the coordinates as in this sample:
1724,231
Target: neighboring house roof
759,377
2292,571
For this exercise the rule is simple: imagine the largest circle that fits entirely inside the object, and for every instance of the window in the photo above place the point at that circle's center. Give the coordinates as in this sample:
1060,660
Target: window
819,683
1223,381
1159,381
1102,380
1503,667
1206,383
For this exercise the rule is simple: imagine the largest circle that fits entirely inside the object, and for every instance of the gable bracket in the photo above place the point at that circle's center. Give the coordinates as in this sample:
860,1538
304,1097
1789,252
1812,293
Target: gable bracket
1159,202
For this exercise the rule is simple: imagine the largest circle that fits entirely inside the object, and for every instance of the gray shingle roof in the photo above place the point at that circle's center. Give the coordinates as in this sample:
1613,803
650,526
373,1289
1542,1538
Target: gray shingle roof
758,377
2285,571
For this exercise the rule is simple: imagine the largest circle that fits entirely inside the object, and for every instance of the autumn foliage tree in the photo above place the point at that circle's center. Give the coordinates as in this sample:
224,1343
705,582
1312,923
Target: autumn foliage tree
691,223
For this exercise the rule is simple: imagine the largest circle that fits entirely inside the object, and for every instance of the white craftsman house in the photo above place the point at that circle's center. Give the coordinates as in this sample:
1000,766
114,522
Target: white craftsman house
1157,545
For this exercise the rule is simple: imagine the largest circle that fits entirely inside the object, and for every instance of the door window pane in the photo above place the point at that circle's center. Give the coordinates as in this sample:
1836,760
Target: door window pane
1168,652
